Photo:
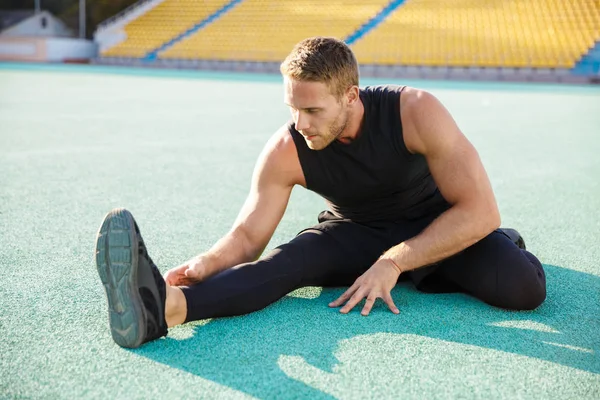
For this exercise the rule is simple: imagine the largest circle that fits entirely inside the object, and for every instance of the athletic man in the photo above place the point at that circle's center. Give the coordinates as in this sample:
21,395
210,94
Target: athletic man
408,197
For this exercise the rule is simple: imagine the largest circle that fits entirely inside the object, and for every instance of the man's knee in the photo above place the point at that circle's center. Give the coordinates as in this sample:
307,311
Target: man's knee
526,289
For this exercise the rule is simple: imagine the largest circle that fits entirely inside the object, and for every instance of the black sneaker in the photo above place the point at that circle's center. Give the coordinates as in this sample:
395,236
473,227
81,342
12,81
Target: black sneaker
135,289
514,236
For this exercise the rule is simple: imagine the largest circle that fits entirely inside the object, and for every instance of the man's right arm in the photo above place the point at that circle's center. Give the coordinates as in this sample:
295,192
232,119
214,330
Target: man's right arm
276,172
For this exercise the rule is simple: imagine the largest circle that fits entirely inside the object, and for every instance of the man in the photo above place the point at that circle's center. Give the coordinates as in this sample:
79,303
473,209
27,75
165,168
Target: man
408,197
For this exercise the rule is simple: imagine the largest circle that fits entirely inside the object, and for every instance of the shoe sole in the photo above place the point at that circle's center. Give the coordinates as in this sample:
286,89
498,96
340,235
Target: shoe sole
117,261
514,236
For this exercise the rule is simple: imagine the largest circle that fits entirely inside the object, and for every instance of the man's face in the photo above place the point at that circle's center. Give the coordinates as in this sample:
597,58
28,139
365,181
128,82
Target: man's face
319,116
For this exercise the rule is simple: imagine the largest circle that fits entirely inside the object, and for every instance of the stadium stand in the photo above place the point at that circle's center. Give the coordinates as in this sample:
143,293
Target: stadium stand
531,34
262,30
484,33
161,24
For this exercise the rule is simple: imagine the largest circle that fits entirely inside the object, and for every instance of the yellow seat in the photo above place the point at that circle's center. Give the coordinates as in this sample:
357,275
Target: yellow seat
516,33
511,33
166,21
263,30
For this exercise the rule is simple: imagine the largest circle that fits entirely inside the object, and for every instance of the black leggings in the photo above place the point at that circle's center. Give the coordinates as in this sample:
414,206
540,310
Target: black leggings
337,251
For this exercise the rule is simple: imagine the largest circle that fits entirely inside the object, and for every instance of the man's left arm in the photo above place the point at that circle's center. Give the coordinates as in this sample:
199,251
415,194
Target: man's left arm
460,176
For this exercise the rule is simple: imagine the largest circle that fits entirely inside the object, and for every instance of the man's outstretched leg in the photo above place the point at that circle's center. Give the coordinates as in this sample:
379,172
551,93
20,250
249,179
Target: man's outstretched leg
142,306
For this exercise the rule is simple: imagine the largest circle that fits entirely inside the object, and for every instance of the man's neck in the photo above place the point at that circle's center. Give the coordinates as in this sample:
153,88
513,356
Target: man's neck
354,126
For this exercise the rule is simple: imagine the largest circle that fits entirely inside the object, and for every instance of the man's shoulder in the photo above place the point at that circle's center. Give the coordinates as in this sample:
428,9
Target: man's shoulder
415,103
415,96
280,143
424,118
279,154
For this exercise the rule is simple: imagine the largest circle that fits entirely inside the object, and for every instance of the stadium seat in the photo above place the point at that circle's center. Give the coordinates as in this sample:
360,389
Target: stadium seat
161,24
262,30
458,33
511,33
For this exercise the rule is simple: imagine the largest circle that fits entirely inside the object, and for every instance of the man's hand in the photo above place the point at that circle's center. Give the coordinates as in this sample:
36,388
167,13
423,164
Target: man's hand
377,282
189,273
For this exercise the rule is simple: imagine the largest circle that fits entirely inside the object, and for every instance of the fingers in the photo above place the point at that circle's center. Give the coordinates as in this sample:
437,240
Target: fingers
375,283
169,278
387,298
368,305
190,273
177,276
344,296
371,298
354,300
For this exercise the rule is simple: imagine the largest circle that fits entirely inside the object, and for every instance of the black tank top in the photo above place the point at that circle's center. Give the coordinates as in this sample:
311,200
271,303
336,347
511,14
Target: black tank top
375,177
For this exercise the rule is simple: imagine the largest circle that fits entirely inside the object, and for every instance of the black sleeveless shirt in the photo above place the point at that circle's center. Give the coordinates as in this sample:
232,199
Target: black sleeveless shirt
375,177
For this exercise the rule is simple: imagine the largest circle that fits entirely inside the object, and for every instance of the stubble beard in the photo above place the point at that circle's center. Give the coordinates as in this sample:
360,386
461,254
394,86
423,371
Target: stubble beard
334,131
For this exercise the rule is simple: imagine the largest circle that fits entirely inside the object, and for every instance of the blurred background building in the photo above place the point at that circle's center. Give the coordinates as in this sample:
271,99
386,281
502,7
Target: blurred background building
543,40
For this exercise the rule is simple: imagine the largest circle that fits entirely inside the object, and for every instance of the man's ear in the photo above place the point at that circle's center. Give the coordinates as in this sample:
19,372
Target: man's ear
352,95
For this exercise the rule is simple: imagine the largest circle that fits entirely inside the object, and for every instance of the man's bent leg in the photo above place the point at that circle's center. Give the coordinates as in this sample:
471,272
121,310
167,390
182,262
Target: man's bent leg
496,271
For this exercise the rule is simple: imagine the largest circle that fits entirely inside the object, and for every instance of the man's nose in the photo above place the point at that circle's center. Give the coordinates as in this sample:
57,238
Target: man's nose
302,121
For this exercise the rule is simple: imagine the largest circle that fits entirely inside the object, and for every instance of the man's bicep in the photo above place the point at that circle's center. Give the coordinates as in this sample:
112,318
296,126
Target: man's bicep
453,161
268,198
261,213
459,173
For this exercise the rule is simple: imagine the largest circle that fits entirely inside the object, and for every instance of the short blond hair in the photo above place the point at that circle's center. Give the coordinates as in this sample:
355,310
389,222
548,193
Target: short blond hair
323,59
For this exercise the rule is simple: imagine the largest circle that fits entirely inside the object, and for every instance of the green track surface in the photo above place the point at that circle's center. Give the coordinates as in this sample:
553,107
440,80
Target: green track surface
178,149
